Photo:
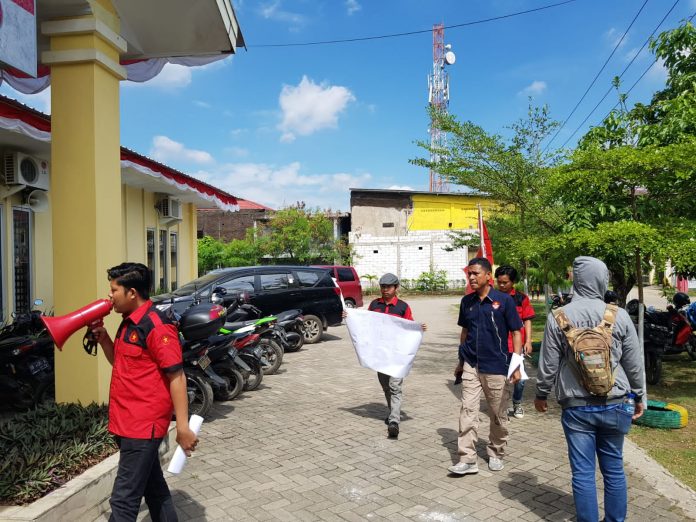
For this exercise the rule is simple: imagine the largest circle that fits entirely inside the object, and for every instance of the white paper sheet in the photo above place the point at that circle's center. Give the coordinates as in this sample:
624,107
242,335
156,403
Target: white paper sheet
384,343
516,361
179,458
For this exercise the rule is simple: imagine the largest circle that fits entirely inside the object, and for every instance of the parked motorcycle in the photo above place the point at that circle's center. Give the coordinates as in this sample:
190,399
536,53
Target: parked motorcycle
665,332
26,362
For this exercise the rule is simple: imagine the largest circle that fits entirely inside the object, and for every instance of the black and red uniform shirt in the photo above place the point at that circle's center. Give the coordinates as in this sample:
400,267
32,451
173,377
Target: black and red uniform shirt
145,350
524,310
394,307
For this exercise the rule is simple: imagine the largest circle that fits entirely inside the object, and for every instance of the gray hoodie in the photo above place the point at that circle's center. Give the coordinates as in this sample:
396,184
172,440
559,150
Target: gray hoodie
590,277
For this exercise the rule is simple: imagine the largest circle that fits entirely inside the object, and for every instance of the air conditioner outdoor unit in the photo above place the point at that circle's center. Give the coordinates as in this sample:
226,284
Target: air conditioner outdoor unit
170,208
22,169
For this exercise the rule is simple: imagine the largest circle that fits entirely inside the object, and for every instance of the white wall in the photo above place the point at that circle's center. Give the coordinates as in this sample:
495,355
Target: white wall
407,256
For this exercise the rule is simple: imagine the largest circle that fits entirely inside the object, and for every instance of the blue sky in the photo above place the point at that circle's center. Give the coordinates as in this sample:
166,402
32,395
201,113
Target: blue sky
282,124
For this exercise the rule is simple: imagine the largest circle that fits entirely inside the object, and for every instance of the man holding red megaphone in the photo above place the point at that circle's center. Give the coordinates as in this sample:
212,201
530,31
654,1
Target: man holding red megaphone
147,384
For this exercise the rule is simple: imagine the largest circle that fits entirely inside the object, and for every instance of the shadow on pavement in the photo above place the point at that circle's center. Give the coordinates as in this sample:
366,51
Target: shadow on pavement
449,438
374,410
517,486
186,507
220,410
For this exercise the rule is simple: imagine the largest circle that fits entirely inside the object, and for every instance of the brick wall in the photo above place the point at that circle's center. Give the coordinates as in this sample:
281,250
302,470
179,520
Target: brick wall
227,226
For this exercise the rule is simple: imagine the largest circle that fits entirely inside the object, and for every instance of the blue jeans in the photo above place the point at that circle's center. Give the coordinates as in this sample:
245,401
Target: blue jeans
590,431
517,392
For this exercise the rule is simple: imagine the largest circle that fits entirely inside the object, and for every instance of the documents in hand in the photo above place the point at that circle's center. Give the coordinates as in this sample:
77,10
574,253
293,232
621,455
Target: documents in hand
517,361
384,343
179,457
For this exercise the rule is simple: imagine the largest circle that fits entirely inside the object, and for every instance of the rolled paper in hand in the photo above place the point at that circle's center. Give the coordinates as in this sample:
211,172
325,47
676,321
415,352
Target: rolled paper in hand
517,361
179,458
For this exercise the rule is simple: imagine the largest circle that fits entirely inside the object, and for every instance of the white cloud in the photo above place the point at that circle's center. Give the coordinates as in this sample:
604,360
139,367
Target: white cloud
535,88
41,101
399,187
352,6
240,152
276,186
273,11
171,77
167,150
202,104
309,107
614,37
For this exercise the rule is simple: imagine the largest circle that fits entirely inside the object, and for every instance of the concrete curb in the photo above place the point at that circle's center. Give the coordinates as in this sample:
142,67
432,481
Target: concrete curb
82,498
666,484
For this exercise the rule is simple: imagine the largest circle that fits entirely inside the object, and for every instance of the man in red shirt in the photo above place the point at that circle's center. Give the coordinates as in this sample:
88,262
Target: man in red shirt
147,386
390,304
506,277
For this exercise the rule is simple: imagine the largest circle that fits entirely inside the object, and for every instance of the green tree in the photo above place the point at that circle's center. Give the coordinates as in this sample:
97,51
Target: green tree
297,235
210,254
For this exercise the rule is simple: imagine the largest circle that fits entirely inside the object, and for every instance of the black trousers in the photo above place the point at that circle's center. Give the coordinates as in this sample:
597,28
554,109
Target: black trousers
139,474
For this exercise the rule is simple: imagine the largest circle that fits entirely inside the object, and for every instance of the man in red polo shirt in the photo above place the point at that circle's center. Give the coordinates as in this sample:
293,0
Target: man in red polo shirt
506,278
390,304
147,385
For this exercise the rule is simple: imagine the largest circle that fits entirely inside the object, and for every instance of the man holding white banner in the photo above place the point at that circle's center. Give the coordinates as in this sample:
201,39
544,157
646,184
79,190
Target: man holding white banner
486,317
386,344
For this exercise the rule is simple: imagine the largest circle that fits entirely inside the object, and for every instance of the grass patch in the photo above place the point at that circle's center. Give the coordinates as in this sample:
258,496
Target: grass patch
44,448
674,449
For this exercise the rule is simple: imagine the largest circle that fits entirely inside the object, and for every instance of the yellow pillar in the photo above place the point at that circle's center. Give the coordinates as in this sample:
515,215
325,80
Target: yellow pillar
85,182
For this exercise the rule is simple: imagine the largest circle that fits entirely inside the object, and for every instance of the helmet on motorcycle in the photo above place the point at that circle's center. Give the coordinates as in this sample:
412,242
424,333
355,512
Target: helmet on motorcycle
680,300
611,297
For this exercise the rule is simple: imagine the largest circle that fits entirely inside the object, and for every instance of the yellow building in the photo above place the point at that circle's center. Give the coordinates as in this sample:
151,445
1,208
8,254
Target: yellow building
407,232
157,216
85,48
443,211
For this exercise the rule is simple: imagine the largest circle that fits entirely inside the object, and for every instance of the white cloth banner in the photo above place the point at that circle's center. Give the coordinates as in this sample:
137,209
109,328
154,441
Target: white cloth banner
384,343
517,361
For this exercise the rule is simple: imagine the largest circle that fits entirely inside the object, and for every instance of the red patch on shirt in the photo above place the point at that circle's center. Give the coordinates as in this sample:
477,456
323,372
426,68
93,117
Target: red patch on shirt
133,337
165,339
495,305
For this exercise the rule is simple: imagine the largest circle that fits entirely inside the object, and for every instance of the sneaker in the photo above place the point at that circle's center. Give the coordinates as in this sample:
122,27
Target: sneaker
495,464
393,430
386,421
517,411
463,468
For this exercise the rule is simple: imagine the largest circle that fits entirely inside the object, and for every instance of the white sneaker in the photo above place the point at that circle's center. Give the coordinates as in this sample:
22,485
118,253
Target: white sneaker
463,468
518,411
495,464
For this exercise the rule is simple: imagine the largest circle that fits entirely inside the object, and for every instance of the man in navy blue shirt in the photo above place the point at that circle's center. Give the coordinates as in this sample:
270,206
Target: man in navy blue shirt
486,316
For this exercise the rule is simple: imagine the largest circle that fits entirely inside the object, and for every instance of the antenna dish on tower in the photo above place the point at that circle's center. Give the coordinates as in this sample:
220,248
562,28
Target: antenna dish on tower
450,58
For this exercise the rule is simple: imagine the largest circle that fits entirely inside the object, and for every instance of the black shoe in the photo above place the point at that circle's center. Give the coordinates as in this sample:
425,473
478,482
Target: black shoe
393,430
386,421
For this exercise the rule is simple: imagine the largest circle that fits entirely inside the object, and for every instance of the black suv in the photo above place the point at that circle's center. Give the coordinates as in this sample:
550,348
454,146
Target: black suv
273,289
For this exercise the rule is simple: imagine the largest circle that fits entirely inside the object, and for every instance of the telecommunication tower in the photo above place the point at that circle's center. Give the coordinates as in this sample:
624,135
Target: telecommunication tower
438,98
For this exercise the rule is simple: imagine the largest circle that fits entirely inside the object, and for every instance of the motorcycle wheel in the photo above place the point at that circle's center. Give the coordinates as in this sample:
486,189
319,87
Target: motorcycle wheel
235,381
200,395
653,367
313,328
274,354
691,348
255,378
295,346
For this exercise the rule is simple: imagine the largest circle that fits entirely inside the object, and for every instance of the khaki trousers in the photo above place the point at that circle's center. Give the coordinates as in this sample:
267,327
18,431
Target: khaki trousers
497,392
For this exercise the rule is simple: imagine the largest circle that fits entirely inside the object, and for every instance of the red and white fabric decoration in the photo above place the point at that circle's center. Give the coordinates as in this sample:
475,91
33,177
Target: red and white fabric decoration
137,70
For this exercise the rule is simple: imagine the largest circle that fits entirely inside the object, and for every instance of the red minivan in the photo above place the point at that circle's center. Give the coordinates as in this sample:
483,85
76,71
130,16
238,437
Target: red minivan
348,282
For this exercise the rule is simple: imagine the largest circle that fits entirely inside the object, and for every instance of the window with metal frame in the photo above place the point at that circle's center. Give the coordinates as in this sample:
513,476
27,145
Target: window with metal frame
21,225
163,273
173,267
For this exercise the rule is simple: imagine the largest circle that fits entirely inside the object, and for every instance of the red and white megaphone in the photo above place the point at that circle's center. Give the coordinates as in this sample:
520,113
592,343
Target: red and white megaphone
61,328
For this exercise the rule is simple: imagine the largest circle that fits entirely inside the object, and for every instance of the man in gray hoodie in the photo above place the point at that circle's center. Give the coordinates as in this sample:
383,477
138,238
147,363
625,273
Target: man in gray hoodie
593,425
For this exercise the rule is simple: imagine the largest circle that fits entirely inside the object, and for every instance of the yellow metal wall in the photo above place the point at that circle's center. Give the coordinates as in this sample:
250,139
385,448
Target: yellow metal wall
447,211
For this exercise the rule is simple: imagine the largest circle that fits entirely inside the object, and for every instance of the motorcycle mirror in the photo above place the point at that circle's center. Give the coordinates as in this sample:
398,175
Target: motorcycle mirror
38,302
216,298
220,290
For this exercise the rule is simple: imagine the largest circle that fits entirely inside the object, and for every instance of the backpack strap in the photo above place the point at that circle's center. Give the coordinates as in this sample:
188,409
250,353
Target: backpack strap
609,317
562,320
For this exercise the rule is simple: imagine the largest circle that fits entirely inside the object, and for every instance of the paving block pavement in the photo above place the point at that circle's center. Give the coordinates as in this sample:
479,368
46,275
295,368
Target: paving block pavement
311,444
